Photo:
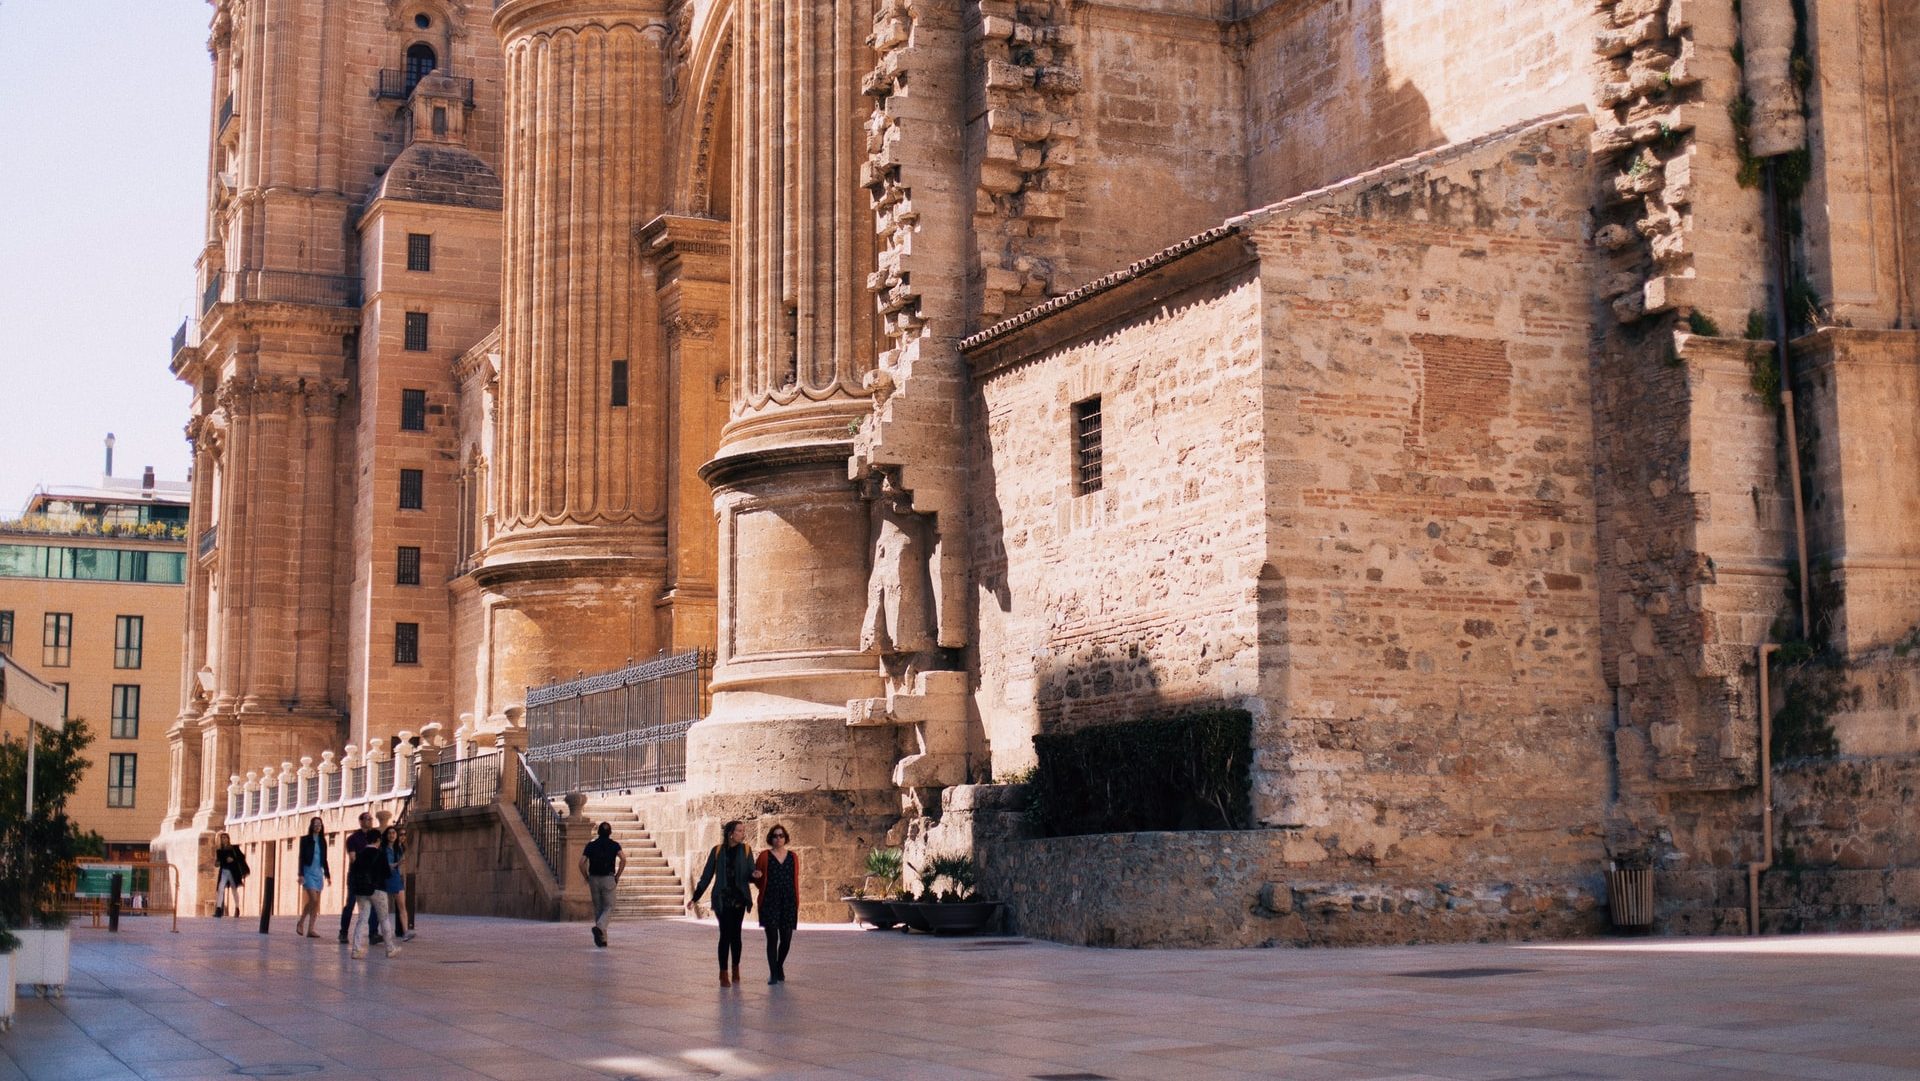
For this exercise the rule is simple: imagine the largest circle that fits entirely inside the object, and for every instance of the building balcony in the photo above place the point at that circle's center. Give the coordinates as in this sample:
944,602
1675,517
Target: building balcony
226,116
280,287
180,338
209,540
399,85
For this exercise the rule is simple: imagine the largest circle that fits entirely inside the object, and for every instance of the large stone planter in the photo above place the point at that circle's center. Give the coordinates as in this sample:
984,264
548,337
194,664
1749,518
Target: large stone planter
6,1000
910,916
958,917
41,960
872,912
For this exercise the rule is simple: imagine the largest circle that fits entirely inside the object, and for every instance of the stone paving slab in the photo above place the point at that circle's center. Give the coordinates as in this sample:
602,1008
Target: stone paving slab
505,1000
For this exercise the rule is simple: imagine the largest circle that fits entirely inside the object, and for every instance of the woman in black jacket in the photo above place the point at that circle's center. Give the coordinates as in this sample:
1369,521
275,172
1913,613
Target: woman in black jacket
730,870
231,863
314,876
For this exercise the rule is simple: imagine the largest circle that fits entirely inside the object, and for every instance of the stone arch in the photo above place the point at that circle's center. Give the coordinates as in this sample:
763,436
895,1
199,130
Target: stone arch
701,176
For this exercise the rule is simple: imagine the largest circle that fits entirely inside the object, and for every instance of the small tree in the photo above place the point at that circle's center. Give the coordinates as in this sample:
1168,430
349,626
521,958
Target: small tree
37,857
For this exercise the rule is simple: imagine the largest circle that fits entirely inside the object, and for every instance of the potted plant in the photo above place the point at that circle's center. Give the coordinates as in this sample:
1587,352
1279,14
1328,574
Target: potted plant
883,866
9,942
957,908
907,906
37,852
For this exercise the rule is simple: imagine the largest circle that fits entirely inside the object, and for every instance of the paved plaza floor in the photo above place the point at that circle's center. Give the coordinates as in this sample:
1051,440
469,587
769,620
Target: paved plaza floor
501,999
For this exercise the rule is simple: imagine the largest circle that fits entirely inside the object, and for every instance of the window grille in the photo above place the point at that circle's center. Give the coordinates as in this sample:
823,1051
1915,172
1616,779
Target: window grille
408,570
419,251
413,485
420,62
406,643
333,786
413,410
126,711
1086,446
123,772
309,791
129,635
416,332
383,772
56,641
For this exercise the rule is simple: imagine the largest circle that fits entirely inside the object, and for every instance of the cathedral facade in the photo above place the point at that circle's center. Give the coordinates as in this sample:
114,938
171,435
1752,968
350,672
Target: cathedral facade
1476,392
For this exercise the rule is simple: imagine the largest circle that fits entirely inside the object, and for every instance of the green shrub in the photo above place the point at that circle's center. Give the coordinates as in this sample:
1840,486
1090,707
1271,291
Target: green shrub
1175,773
37,858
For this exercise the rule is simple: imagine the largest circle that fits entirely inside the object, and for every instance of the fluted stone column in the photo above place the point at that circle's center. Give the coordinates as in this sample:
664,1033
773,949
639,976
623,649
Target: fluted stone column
579,549
793,530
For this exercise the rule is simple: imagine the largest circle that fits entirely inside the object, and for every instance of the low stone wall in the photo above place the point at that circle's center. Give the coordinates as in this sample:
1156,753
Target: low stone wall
480,861
1232,889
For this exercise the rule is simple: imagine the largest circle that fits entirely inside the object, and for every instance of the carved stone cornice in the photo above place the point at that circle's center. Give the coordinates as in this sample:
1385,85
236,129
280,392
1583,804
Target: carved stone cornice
692,326
513,18
696,249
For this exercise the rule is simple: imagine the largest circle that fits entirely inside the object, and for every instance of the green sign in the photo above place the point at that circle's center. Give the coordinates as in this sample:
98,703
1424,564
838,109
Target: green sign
96,879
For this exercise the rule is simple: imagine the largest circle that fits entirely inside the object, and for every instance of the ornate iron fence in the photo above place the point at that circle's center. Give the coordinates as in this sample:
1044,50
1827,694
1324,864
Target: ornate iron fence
543,822
624,729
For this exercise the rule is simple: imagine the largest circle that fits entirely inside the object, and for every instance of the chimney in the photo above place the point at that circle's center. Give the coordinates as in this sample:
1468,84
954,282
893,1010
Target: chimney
146,480
109,454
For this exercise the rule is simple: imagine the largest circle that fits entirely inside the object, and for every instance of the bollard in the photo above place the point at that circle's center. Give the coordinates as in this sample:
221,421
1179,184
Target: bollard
413,902
113,904
266,905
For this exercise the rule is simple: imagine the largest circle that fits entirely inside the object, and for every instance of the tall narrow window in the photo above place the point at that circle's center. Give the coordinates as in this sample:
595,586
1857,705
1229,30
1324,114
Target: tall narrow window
129,634
408,567
406,643
1086,446
619,394
56,641
123,774
413,484
416,332
419,251
126,711
420,61
439,119
6,632
413,410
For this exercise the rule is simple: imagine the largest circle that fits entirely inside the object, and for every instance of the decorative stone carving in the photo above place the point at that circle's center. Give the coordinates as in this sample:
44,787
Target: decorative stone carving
899,616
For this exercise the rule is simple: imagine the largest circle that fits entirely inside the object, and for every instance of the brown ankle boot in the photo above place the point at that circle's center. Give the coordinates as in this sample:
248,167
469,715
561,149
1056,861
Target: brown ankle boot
724,982
736,974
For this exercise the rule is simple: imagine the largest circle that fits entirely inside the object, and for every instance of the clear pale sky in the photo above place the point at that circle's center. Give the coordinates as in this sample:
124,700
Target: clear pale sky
104,112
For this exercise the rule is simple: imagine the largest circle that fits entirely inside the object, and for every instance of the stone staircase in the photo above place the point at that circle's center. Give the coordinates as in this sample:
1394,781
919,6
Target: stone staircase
649,890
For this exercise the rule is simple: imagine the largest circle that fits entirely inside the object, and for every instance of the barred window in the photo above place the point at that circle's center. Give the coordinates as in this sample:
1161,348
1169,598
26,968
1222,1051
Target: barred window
619,390
406,643
126,711
413,410
6,632
407,572
416,332
1086,446
56,641
123,772
129,634
419,251
413,489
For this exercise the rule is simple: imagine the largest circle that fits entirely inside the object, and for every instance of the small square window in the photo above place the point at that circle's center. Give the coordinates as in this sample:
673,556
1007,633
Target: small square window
406,643
1086,446
413,410
56,641
129,635
416,332
123,774
407,571
419,251
413,485
126,711
618,397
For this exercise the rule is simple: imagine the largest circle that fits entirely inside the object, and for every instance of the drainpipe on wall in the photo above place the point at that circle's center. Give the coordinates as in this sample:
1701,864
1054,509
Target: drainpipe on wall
1765,862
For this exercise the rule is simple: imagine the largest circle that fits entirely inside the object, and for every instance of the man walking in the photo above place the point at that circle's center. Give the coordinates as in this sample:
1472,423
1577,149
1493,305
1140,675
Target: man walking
357,840
602,864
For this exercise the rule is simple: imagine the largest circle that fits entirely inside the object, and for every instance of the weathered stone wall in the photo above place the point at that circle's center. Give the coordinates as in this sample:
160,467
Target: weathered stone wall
480,861
1849,846
1137,597
1337,88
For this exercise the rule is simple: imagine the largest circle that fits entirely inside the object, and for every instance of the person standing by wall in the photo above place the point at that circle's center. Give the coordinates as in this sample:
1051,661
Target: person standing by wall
231,863
602,864
394,840
730,870
777,872
366,877
357,840
314,876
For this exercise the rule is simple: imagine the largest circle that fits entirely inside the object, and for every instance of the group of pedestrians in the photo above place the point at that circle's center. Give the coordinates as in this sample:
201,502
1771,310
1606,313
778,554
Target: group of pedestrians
376,904
735,873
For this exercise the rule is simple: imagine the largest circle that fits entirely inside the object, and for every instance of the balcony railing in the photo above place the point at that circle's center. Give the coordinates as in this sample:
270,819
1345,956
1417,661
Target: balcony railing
209,540
226,114
280,286
395,85
180,338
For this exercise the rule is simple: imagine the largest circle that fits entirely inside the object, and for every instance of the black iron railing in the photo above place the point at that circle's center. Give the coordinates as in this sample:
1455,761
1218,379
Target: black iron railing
280,287
623,729
543,822
226,114
399,85
180,338
209,539
465,782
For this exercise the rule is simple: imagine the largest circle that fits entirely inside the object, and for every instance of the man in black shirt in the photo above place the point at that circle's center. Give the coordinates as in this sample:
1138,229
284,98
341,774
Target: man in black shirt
602,864
358,839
